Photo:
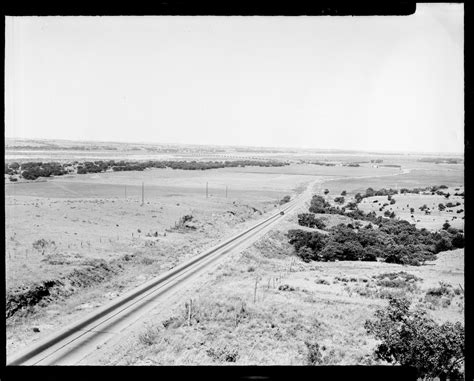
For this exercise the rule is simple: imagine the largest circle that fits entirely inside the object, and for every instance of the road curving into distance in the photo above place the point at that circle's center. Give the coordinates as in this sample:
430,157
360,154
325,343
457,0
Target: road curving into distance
73,343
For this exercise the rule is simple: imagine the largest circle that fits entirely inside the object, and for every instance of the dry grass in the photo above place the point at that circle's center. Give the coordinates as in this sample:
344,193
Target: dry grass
432,221
321,305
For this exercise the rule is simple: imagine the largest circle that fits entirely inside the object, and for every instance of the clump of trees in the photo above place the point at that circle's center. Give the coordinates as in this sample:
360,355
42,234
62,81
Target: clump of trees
310,220
33,170
320,205
409,337
285,199
387,239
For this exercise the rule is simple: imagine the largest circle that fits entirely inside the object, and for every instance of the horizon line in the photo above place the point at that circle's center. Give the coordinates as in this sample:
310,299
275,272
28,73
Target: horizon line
352,150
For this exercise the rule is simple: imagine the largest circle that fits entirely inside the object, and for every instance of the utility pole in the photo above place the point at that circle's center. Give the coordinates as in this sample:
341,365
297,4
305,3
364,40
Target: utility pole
143,193
125,192
207,190
226,191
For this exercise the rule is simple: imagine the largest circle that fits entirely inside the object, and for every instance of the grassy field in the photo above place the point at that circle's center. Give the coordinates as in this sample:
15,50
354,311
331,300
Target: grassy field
432,221
429,176
88,217
262,309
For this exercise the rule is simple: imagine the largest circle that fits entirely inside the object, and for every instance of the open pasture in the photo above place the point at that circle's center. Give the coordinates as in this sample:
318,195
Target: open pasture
57,225
263,306
415,178
404,202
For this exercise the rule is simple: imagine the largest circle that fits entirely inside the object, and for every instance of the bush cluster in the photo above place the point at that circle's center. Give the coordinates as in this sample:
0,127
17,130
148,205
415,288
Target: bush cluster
320,205
310,220
394,241
411,338
33,170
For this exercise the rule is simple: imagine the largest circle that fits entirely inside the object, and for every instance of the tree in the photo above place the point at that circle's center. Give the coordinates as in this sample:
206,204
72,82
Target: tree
343,193
369,192
306,254
339,200
412,210
411,338
310,220
458,241
326,191
441,207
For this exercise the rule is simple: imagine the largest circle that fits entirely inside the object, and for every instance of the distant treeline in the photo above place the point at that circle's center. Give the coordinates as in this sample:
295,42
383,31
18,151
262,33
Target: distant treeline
33,170
440,160
107,148
60,148
321,163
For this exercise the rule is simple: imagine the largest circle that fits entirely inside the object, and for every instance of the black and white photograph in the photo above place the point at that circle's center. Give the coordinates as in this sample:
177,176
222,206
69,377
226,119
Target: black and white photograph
236,190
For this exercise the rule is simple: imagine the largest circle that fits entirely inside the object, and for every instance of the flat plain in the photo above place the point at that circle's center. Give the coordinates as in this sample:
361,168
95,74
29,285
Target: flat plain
86,239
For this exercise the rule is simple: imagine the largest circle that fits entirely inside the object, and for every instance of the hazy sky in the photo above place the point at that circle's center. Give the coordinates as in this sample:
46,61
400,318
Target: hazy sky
370,83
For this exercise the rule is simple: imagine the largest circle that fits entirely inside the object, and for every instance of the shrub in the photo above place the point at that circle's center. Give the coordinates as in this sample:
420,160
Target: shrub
223,354
285,287
313,356
343,193
310,220
299,238
411,338
322,281
339,200
306,254
320,205
458,241
444,289
149,337
285,199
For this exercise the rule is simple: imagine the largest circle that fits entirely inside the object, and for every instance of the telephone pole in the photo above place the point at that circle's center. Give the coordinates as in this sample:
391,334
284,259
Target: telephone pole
143,193
207,190
125,192
226,191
